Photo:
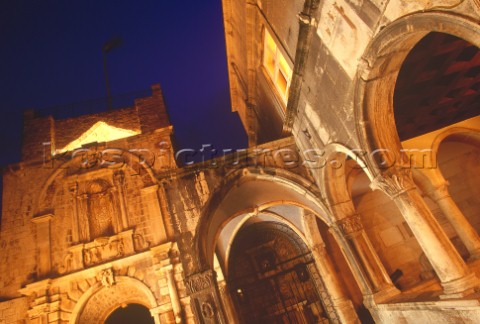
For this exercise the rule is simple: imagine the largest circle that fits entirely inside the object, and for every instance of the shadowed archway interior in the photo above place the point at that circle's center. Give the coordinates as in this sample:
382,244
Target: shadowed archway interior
273,277
132,313
438,85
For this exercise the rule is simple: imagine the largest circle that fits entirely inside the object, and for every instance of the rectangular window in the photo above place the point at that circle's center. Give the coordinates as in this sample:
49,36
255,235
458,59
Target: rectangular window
277,67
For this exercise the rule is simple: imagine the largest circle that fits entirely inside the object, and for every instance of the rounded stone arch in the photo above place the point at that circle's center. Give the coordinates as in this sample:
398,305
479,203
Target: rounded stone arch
333,178
132,162
99,301
425,179
270,217
249,191
460,134
377,74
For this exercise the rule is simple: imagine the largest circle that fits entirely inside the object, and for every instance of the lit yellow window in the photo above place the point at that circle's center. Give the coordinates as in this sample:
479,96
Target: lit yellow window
276,66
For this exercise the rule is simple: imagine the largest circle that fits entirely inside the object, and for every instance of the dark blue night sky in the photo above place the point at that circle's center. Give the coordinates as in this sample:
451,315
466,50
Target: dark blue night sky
51,55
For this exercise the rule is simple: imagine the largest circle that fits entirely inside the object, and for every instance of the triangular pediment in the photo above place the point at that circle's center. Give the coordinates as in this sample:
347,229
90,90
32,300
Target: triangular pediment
100,132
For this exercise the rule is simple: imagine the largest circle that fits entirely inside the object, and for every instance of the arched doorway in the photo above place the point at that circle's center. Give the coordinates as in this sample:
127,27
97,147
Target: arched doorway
101,300
131,313
273,278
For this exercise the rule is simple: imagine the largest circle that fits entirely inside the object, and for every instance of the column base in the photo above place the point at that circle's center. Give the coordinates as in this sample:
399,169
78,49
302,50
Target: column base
460,288
345,311
381,296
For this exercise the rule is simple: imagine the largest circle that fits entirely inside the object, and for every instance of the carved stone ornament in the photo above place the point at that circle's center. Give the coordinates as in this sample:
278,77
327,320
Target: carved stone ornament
105,249
199,282
207,310
351,224
106,278
394,182
67,264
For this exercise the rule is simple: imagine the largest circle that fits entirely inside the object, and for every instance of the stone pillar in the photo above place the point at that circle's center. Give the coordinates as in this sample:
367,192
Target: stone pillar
205,298
153,211
44,263
119,181
83,222
462,226
73,189
167,218
343,306
172,289
351,227
227,302
455,277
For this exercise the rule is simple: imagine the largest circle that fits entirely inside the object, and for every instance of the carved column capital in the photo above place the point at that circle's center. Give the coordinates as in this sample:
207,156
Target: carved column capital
350,225
394,182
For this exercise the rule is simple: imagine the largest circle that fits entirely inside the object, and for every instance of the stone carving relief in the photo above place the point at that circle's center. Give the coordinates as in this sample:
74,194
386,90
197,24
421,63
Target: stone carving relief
199,282
140,243
100,209
207,310
107,249
100,250
351,224
204,295
67,264
106,278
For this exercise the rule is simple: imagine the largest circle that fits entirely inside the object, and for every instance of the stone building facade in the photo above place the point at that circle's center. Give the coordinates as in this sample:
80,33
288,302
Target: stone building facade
356,201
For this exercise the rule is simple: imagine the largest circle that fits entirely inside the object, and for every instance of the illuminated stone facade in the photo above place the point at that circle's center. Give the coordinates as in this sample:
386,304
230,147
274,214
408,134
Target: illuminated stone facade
357,199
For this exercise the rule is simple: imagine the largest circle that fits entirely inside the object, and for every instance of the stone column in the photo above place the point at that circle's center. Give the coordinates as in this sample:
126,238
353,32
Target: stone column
119,181
462,226
44,261
455,277
152,207
83,221
343,306
205,298
227,302
73,189
172,289
382,287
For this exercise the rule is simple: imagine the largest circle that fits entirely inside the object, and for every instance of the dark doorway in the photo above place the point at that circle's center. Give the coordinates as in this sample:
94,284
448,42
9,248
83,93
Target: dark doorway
438,85
273,278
